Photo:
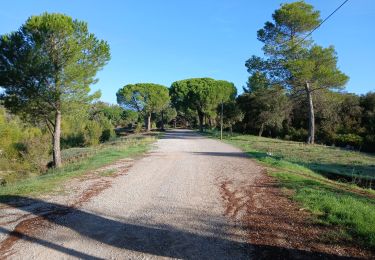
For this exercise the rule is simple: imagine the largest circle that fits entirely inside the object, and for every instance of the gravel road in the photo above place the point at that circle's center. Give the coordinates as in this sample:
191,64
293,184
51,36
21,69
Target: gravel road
172,203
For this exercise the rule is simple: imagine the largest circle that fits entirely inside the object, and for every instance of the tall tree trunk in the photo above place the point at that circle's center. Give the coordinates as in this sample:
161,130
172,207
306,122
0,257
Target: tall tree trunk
162,120
56,141
311,137
261,130
201,117
148,123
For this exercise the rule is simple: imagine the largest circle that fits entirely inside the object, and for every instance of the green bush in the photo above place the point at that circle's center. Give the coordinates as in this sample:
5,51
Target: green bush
92,133
297,134
37,149
369,143
108,131
349,139
138,128
73,131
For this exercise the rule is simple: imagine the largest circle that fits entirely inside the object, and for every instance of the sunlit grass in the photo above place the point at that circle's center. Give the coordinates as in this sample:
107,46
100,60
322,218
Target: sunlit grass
98,157
302,168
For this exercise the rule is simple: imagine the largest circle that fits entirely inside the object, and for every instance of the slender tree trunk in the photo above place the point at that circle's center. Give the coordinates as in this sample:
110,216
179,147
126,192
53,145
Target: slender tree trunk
56,141
261,130
148,125
162,120
201,117
221,121
311,137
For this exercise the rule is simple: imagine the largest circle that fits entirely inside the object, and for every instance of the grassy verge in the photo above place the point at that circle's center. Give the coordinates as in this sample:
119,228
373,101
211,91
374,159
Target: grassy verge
343,205
94,158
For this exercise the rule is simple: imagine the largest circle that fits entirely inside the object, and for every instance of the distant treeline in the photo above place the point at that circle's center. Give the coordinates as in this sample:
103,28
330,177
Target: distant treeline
26,147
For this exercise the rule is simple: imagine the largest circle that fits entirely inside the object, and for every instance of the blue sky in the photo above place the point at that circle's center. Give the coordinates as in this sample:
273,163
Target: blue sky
161,41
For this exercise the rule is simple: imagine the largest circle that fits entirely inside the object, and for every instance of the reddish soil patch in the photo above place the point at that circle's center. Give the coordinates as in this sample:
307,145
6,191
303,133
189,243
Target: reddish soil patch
28,227
278,229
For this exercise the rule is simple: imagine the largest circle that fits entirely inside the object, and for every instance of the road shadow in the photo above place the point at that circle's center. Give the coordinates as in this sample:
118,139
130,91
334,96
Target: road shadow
181,134
223,154
163,240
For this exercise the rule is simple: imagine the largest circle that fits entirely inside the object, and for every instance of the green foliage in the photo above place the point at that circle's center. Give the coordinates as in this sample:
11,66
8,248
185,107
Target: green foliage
50,62
107,129
113,113
232,114
202,95
58,62
145,98
290,24
24,149
129,117
138,128
292,61
349,139
98,156
256,82
92,133
318,66
296,134
265,108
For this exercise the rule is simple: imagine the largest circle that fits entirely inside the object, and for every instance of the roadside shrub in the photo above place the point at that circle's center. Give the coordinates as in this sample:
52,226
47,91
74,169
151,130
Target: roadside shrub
348,139
10,134
73,140
73,131
326,137
108,131
138,128
298,134
92,133
36,149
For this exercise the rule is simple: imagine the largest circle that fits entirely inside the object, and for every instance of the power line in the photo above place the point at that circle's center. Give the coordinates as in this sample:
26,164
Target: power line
329,16
320,24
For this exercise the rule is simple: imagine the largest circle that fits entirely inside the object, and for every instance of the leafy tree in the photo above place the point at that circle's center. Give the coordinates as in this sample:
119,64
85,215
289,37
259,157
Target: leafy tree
166,115
368,120
266,108
232,114
350,114
292,60
145,98
257,81
129,117
316,70
202,95
112,112
367,103
49,63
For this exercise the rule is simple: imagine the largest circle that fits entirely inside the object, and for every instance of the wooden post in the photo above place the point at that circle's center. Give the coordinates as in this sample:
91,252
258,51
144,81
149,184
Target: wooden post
221,121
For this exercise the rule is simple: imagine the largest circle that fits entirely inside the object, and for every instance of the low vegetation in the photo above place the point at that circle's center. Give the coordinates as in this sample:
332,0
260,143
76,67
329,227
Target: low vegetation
83,160
301,168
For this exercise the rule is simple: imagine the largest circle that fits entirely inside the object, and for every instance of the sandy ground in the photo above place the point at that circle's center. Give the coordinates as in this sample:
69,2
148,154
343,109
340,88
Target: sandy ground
172,203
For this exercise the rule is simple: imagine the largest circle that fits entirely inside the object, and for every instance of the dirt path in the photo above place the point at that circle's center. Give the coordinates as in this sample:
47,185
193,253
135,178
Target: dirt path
168,204
190,198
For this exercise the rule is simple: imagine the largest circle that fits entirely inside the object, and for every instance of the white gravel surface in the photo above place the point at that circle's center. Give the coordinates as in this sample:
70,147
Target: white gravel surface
168,205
